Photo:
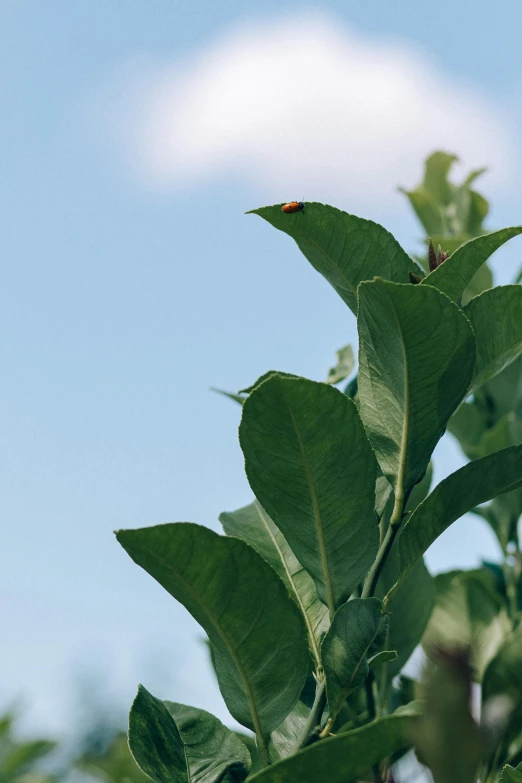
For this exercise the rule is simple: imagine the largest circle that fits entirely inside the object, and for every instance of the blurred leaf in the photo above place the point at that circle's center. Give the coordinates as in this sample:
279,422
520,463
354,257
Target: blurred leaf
426,208
447,739
261,660
295,435
504,672
469,614
496,319
155,741
346,646
345,249
115,763
468,487
453,276
344,366
438,166
403,330
254,526
213,753
344,757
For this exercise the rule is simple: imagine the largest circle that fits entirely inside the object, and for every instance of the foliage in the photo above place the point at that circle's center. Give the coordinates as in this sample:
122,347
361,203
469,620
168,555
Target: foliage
319,585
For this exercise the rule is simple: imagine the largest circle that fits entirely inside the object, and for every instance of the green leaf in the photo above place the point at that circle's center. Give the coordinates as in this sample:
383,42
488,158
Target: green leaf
311,467
213,753
426,208
254,526
264,378
511,774
344,366
475,483
496,318
154,740
231,396
344,757
385,656
438,167
256,630
410,608
468,614
481,281
503,676
416,357
284,739
345,249
346,646
456,272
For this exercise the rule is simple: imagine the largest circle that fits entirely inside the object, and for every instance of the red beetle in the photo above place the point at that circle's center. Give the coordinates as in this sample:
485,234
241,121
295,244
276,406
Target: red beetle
292,206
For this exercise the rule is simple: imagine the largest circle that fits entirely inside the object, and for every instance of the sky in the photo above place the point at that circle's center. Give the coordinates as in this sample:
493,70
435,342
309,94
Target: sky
135,136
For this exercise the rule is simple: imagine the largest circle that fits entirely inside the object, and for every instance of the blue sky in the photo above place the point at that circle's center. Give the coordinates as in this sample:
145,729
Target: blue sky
135,136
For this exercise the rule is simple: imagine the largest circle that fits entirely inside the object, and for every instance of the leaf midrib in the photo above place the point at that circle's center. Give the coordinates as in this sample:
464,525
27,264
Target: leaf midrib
311,636
323,552
188,587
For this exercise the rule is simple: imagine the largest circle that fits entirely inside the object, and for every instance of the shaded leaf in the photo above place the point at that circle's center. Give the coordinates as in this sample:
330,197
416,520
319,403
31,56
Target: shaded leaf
377,660
346,647
344,366
154,740
284,739
254,526
213,753
496,318
344,757
311,467
455,274
416,357
475,483
262,657
344,248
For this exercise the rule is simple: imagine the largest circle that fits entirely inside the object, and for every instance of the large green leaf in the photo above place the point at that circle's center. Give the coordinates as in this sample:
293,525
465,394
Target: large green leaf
511,774
345,249
469,614
496,318
344,757
453,276
346,646
254,526
416,358
155,741
311,467
214,754
257,632
475,483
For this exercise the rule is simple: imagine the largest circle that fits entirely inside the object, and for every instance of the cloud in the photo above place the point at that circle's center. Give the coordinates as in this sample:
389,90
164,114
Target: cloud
304,108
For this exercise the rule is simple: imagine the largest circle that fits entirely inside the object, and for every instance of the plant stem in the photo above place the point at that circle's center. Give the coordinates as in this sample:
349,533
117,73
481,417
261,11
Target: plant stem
263,750
384,550
315,715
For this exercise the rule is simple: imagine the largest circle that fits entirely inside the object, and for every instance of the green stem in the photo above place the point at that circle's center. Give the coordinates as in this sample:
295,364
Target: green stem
263,750
315,715
385,548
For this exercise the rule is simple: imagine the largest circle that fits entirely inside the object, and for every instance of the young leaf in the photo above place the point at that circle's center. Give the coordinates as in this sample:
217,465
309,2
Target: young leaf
257,632
311,467
344,366
377,660
155,741
346,647
453,276
468,487
213,753
344,757
345,249
254,526
416,357
496,318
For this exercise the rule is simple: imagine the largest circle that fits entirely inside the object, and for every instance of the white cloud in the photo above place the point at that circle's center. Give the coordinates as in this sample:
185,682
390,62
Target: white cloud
304,108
